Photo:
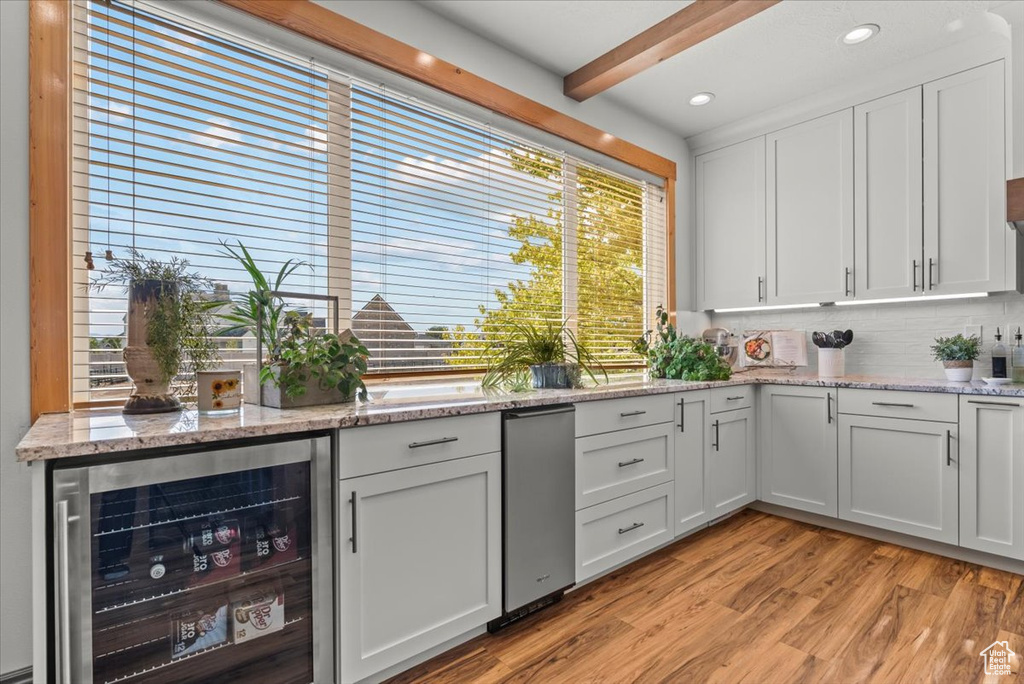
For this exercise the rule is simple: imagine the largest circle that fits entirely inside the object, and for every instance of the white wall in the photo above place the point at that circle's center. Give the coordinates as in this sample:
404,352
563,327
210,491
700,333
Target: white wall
15,503
894,339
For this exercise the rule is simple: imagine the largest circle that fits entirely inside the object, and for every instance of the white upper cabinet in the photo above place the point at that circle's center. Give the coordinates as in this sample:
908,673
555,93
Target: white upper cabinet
888,230
730,208
965,232
810,211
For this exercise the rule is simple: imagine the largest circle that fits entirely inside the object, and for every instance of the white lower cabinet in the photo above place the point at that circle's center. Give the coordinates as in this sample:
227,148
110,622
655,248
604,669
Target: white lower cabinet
992,475
799,445
730,466
419,559
622,529
692,443
900,475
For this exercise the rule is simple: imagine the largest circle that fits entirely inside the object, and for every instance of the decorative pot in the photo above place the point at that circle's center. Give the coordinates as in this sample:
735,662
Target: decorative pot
554,375
151,392
831,363
274,396
959,371
219,391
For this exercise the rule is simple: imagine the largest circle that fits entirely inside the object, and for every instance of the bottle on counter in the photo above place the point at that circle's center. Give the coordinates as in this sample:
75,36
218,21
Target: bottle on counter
1000,356
1018,359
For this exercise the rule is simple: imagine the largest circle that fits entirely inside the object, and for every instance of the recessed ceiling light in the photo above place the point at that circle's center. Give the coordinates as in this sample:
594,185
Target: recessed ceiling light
701,99
860,34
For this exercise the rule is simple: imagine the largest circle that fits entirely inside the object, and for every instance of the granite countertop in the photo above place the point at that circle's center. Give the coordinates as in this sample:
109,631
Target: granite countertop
103,431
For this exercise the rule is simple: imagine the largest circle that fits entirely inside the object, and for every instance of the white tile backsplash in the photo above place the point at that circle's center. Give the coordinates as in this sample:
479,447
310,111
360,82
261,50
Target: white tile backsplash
894,339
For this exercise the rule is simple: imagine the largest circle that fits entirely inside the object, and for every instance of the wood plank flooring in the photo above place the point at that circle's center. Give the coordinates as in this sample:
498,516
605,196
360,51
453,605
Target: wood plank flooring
764,600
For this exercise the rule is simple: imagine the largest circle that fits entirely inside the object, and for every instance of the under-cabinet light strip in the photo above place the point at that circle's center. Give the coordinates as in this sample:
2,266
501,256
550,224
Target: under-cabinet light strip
923,298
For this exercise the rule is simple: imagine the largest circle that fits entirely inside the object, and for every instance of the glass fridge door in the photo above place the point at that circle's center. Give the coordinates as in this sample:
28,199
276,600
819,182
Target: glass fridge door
208,576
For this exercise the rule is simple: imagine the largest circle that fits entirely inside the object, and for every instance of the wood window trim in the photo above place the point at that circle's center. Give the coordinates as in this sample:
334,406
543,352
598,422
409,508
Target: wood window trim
50,250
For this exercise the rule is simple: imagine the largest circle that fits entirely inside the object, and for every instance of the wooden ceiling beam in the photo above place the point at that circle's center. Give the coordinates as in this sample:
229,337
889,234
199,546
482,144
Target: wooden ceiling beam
684,29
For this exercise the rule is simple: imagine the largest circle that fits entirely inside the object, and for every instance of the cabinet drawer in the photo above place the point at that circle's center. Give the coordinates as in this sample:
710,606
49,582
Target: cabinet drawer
379,448
729,398
892,404
622,529
595,417
623,462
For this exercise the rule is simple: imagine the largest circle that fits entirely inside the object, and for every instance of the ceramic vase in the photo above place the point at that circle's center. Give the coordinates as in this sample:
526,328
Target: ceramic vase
959,371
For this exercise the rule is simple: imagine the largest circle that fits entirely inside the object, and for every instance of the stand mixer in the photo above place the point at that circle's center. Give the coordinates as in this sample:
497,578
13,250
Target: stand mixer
724,342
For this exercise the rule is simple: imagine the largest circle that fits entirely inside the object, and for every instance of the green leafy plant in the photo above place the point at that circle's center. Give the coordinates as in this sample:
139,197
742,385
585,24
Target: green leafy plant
179,325
245,308
528,344
679,357
334,361
957,348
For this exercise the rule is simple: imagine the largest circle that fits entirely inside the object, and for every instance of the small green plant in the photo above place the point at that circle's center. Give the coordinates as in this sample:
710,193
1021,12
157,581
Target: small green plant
179,323
245,308
956,348
679,357
528,344
336,362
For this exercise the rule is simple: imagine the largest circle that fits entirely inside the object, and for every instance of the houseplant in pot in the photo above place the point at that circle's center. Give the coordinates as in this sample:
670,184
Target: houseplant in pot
310,367
957,354
679,357
553,354
167,327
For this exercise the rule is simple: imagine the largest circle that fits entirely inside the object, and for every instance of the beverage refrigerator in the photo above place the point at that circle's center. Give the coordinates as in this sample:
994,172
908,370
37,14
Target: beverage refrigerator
205,566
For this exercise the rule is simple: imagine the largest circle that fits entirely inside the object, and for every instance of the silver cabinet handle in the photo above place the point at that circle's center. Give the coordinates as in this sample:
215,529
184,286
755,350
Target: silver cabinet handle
433,442
630,414
847,281
735,398
352,502
892,404
624,530
63,591
931,275
829,408
992,403
914,271
623,464
760,283
949,447
715,443
682,415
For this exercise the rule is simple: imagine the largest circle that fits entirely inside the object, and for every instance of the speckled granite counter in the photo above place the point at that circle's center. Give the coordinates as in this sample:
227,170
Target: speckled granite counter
105,431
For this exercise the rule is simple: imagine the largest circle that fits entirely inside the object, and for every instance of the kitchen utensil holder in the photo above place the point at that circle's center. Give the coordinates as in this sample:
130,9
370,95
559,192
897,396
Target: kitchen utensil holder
831,363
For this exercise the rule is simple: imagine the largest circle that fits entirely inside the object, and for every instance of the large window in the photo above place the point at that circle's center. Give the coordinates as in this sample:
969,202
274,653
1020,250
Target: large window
436,232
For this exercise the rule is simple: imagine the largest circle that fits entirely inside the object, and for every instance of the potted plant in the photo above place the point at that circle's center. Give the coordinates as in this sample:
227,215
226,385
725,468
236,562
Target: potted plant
311,368
679,357
168,325
553,354
957,354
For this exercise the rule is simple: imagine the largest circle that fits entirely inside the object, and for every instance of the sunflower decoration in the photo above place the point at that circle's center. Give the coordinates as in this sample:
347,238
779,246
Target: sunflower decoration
230,384
217,403
218,387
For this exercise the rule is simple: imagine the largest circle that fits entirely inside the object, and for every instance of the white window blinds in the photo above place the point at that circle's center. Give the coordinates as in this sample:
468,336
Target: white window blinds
436,232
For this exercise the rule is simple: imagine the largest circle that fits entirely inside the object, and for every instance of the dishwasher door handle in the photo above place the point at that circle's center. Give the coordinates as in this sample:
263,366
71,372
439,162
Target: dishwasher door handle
535,414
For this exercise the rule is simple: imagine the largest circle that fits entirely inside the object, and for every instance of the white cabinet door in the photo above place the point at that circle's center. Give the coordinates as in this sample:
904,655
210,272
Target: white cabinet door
419,560
730,466
900,475
992,475
810,211
692,443
965,231
888,234
730,225
799,448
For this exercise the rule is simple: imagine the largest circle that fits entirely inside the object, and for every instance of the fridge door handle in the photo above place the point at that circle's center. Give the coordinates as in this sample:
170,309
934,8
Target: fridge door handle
63,523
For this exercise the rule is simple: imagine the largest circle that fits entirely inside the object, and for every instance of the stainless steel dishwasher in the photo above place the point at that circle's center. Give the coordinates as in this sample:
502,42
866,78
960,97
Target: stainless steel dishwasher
539,496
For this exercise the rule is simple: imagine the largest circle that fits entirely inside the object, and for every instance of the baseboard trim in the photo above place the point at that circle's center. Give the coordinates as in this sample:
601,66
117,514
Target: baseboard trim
22,676
916,543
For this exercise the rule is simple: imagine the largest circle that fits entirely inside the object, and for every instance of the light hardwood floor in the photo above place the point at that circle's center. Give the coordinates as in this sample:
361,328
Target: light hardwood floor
762,600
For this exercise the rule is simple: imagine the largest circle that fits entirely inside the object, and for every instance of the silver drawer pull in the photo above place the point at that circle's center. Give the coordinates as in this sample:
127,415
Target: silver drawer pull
889,403
623,464
735,398
992,403
624,530
628,414
433,442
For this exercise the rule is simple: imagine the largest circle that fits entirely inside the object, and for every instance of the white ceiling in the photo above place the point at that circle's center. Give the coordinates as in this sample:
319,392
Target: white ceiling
786,52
